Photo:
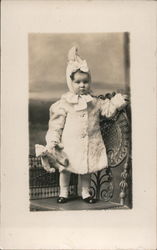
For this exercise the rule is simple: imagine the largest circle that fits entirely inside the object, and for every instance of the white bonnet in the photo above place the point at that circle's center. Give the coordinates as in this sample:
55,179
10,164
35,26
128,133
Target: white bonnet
74,63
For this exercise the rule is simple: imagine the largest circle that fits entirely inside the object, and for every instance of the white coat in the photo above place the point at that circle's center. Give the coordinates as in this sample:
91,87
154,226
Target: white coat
79,131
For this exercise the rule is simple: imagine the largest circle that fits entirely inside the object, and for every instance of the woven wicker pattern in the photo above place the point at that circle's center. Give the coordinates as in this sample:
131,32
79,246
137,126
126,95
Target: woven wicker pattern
43,184
115,133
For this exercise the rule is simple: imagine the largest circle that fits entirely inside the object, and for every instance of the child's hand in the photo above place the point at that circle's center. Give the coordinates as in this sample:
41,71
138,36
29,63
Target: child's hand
50,147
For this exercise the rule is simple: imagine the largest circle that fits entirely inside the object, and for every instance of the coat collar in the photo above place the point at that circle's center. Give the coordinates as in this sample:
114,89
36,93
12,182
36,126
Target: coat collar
79,101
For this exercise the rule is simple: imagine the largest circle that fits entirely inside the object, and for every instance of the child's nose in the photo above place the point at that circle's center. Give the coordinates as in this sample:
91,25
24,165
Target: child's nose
81,84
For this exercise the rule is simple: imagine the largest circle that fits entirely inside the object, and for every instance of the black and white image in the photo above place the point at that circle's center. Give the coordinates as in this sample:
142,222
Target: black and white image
79,121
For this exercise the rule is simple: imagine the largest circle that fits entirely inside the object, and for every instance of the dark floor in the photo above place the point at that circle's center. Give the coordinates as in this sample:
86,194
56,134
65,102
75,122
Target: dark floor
50,204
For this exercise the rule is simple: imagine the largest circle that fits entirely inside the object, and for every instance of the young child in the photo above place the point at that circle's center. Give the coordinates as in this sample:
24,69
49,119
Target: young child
74,122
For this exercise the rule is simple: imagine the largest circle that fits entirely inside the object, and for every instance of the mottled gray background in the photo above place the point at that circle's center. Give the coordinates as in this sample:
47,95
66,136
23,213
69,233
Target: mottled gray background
107,55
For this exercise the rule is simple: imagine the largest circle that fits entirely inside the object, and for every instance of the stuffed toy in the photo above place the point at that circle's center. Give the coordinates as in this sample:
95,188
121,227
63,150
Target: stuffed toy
52,159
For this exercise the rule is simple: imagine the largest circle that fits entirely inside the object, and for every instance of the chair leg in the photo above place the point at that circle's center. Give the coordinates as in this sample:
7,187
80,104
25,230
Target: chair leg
101,184
123,184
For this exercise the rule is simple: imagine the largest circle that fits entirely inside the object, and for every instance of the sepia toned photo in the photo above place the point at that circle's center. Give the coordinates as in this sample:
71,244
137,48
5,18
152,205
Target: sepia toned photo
79,121
78,127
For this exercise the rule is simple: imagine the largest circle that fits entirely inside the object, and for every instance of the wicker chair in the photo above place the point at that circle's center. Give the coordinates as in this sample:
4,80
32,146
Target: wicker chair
115,183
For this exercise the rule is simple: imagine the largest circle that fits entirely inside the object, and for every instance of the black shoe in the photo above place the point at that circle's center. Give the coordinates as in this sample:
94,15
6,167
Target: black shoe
62,200
90,200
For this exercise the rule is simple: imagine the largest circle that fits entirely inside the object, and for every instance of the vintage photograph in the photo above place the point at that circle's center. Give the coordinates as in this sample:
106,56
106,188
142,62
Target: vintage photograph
78,149
79,121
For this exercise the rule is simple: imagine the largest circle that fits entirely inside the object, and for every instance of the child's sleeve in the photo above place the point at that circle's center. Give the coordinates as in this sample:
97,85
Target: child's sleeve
109,107
56,123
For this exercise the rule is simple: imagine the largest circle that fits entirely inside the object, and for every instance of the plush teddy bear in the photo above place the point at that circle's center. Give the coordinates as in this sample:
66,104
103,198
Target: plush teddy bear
52,159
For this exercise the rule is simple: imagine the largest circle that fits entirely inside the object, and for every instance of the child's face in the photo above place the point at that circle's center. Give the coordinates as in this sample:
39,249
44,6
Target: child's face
81,83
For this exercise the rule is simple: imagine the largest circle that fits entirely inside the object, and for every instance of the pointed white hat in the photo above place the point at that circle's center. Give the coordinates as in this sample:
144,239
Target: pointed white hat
74,63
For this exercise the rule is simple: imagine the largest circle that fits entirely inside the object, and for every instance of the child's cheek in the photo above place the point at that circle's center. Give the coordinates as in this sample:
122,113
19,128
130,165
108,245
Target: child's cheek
75,88
88,87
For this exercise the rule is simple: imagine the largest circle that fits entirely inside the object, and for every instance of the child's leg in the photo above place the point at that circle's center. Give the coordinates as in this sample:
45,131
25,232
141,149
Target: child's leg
86,180
64,180
85,183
